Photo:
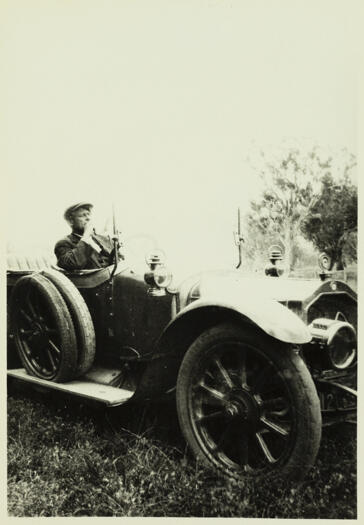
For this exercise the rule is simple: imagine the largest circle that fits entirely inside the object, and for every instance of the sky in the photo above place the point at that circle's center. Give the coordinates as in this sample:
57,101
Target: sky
156,106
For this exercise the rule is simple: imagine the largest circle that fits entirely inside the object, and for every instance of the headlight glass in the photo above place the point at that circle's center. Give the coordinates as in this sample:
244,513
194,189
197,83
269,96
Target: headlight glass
162,277
342,347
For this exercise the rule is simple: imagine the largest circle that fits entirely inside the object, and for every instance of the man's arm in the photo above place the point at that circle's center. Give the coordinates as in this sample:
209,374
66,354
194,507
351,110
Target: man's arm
70,257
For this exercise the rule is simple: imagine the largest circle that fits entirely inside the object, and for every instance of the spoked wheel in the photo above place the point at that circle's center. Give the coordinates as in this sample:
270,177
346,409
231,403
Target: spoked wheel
43,329
248,406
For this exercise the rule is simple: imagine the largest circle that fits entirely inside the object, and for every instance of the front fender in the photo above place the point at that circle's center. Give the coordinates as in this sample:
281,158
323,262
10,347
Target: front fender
271,316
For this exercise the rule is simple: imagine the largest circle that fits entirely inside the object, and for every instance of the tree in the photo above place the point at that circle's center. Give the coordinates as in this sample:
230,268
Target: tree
291,199
332,223
290,184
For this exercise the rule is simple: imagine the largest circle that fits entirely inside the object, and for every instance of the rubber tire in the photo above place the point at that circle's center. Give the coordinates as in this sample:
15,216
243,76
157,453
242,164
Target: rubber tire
302,389
81,317
63,320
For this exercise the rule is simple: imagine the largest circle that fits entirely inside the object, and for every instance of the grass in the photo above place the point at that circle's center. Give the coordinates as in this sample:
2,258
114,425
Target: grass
65,459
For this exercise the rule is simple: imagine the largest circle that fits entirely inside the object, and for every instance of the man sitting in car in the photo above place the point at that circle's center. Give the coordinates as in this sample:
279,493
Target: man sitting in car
83,248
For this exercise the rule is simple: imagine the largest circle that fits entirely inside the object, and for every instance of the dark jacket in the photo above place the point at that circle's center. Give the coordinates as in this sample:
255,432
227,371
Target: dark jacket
74,254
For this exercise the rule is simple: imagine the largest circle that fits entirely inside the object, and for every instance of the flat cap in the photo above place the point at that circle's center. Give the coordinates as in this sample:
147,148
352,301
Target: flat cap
74,207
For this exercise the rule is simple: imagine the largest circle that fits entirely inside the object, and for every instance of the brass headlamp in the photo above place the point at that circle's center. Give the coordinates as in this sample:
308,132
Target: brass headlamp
159,277
338,339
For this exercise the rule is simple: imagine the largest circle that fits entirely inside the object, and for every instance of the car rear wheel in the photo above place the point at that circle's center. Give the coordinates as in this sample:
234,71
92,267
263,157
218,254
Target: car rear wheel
247,405
81,317
43,330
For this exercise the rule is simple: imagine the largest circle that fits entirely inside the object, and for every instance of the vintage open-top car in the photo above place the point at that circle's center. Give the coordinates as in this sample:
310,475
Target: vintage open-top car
257,364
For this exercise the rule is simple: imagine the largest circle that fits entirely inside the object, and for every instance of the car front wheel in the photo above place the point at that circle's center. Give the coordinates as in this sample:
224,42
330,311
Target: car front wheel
247,404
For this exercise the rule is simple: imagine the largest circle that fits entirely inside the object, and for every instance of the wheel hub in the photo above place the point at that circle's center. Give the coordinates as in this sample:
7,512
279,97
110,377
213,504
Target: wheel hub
39,335
235,409
243,405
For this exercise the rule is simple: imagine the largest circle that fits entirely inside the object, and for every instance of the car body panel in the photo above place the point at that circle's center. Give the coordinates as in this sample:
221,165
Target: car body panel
138,318
272,317
280,289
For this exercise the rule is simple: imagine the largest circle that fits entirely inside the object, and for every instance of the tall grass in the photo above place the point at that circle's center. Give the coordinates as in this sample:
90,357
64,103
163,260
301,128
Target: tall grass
65,459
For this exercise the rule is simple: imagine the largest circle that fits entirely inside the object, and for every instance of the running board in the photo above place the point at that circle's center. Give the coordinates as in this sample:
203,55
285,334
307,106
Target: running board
108,395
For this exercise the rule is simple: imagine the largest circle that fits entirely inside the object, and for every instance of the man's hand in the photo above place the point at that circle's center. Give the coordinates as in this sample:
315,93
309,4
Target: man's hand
87,237
88,231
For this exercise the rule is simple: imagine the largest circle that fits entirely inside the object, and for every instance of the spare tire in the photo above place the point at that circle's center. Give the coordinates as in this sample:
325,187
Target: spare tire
43,329
81,317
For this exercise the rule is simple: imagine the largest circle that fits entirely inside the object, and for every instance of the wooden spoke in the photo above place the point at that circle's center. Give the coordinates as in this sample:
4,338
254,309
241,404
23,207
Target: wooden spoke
31,307
55,348
243,371
27,334
25,315
219,396
50,357
50,330
224,373
264,448
207,417
34,362
273,426
37,305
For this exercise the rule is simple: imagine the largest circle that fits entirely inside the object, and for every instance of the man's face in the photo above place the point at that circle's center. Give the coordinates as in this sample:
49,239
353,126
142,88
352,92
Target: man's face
79,220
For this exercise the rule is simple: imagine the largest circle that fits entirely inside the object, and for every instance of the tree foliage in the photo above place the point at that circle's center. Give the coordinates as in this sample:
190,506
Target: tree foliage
289,192
296,187
332,223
